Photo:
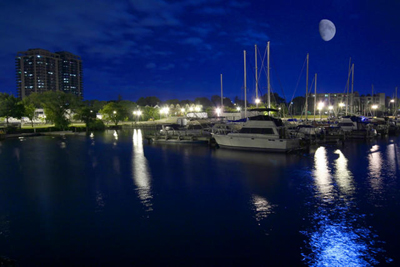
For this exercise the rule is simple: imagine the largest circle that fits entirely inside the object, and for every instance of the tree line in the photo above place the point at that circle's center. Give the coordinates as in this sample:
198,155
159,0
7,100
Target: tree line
59,107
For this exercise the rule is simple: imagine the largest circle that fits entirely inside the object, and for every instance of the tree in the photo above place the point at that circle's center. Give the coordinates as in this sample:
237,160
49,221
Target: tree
172,102
150,113
58,106
10,107
129,107
114,112
148,101
216,100
85,114
204,101
29,110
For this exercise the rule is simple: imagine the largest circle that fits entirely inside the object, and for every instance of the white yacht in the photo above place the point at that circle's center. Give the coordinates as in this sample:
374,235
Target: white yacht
259,133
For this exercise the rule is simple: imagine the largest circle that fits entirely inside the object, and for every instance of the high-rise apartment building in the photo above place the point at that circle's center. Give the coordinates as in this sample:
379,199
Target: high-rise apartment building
39,70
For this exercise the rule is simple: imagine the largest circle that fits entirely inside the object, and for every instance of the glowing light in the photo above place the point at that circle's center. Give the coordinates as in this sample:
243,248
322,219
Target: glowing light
257,101
238,108
182,110
374,106
262,207
341,105
218,110
375,168
321,173
330,107
141,172
343,175
321,105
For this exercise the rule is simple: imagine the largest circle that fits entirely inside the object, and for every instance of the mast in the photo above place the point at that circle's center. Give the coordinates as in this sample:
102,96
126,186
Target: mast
255,55
245,86
352,86
306,107
222,96
315,95
268,78
372,97
395,103
347,86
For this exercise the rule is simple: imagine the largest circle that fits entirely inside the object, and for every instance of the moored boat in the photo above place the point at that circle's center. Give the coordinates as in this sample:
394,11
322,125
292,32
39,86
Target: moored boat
260,132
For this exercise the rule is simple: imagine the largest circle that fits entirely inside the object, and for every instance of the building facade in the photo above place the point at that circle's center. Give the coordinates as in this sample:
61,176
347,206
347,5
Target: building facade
39,70
351,103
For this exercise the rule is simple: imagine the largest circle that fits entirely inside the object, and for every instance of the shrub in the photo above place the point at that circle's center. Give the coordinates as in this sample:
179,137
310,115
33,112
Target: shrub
96,125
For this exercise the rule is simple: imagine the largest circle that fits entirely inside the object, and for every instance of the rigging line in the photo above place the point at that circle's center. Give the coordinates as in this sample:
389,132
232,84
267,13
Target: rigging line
298,80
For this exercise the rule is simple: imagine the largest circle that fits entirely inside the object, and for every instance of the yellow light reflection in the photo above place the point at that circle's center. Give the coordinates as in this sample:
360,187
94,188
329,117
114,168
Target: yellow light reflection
115,135
262,207
375,168
343,176
141,172
321,173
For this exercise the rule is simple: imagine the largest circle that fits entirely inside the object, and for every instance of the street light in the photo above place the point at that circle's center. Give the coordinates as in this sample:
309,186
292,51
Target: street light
374,107
330,110
238,109
257,102
320,107
218,110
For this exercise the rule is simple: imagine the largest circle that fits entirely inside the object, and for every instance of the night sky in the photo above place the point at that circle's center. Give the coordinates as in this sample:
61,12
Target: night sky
178,49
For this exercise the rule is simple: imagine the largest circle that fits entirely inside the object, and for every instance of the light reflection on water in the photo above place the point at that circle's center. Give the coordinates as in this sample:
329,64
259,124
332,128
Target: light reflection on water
338,236
375,168
262,207
141,172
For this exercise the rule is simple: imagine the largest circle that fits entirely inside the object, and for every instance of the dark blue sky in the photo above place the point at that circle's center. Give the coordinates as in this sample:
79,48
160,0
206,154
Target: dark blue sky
178,49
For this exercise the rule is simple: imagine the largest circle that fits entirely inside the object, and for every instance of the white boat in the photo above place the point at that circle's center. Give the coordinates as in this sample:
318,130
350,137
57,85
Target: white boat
259,133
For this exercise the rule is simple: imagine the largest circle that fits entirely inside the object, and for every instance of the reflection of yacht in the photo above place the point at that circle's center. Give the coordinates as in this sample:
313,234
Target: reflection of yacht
259,133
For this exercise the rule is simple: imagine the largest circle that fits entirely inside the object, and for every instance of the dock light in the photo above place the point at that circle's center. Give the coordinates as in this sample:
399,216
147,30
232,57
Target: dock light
238,108
320,105
218,110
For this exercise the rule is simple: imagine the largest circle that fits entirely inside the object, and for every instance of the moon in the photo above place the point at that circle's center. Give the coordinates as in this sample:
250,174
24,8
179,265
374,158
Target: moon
327,29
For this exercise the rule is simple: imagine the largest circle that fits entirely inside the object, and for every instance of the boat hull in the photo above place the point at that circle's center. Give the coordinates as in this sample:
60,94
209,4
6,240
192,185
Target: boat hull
256,143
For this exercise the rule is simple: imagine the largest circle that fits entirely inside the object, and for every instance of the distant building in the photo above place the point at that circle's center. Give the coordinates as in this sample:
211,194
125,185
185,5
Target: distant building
39,70
354,102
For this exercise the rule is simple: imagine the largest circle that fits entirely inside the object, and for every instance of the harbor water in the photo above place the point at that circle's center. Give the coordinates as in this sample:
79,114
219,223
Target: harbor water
110,199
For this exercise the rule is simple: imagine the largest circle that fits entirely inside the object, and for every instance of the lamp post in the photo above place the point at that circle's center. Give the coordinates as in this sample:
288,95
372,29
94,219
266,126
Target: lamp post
218,110
320,107
137,113
341,105
374,107
392,101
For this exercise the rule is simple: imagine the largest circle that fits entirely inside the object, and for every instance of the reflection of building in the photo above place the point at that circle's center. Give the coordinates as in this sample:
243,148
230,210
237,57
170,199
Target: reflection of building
39,70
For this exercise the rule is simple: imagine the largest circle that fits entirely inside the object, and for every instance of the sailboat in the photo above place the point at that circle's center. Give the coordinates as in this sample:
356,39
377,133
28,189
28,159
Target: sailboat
260,132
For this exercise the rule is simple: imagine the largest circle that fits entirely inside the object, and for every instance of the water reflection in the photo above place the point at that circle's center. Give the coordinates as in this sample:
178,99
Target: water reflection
338,235
262,207
321,173
375,168
342,175
391,156
141,172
